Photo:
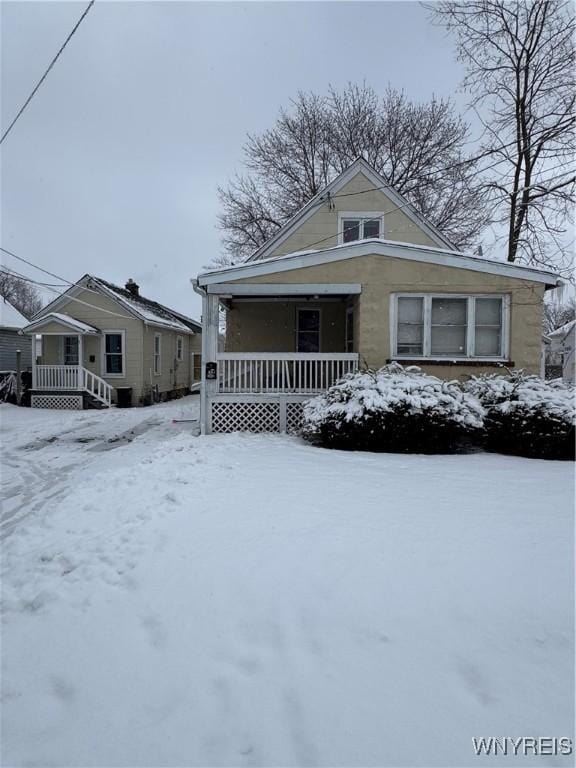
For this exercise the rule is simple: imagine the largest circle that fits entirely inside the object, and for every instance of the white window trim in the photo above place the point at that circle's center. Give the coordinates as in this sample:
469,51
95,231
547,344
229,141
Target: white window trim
179,348
105,375
505,351
308,309
157,372
342,215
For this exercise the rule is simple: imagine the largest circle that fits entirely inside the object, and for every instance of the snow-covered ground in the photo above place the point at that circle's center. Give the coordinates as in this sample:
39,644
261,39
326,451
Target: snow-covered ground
231,600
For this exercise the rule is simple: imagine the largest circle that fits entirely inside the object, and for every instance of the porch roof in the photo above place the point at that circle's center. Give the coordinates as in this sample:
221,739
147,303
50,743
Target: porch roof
69,323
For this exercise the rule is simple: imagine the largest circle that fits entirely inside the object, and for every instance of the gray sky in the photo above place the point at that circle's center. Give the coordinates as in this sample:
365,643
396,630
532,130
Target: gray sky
114,167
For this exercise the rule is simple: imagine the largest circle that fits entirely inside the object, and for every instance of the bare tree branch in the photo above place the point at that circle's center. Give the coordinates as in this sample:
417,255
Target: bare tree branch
519,59
414,146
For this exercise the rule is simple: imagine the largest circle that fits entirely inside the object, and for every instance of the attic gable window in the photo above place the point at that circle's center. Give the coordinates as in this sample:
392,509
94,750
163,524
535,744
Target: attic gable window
360,226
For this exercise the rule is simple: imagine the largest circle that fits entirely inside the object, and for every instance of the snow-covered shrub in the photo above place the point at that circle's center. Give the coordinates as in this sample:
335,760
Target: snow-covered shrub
396,409
526,416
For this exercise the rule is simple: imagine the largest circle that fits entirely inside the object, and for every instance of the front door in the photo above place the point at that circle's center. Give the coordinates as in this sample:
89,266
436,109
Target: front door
71,350
308,330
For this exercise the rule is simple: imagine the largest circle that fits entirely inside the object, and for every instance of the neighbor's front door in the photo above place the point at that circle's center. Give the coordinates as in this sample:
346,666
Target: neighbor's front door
71,350
308,330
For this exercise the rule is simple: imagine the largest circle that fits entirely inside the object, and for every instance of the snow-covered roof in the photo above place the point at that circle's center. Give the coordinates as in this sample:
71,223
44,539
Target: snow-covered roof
60,317
10,317
138,306
563,331
379,247
148,310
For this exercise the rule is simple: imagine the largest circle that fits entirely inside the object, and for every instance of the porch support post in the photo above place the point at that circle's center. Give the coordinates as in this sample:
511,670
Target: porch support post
33,361
210,322
80,361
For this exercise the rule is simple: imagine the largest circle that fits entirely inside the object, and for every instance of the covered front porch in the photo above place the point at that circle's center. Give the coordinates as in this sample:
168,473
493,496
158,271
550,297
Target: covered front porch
269,348
65,357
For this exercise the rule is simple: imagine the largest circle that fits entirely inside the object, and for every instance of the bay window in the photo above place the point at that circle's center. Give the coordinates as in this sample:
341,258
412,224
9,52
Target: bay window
440,326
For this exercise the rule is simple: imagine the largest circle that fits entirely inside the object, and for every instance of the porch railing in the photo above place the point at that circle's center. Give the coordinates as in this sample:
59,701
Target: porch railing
71,377
270,373
57,377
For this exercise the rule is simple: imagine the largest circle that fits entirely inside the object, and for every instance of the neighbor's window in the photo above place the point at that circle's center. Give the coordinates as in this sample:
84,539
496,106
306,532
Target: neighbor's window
179,348
449,326
157,354
359,228
114,354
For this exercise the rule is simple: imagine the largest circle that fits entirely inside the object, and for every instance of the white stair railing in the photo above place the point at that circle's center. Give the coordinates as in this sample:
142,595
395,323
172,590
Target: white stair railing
96,387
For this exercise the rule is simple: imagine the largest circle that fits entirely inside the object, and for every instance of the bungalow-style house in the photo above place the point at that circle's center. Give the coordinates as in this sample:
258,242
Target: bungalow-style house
357,278
11,323
102,345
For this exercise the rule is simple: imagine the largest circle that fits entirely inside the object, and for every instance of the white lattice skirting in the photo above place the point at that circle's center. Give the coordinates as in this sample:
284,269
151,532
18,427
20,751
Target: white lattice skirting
294,417
270,416
61,402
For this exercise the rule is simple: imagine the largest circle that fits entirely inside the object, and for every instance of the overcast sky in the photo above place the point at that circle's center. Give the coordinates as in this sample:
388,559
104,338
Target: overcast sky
114,167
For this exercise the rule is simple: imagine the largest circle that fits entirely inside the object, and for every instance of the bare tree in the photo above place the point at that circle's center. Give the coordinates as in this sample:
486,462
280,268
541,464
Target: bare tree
20,293
556,315
519,59
418,148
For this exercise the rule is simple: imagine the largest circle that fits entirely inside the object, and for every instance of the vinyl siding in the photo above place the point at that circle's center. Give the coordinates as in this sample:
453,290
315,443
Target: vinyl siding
174,374
10,341
106,315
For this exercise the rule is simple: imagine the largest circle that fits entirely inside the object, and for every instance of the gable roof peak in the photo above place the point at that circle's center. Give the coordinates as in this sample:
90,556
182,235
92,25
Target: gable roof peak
360,164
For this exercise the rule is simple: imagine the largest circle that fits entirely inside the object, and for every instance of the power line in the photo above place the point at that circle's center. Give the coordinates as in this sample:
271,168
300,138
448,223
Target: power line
408,204
40,269
45,75
13,273
434,176
66,282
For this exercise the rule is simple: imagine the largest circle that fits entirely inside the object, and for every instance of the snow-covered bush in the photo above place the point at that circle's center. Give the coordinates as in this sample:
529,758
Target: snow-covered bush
526,416
396,409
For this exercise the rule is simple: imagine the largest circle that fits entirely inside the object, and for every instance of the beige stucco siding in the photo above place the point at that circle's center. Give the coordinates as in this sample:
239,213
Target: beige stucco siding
324,223
271,326
381,276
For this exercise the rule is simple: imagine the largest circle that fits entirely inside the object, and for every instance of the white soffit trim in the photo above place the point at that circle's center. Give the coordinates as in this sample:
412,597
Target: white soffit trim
284,289
391,249
358,166
55,317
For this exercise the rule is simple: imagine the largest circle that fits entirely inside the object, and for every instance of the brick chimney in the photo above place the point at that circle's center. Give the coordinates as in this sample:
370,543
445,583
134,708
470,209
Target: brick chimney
132,287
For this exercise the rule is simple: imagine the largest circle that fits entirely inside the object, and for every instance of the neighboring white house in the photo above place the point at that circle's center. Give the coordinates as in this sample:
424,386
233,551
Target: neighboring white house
11,322
561,345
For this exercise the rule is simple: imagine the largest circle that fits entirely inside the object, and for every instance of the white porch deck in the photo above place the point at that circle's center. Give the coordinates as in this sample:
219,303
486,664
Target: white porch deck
265,392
